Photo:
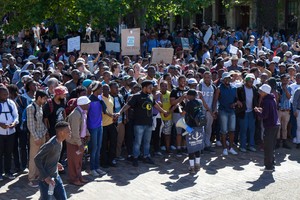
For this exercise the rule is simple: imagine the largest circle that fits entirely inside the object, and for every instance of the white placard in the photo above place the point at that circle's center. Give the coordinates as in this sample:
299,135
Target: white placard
207,35
162,54
185,43
73,44
112,46
233,50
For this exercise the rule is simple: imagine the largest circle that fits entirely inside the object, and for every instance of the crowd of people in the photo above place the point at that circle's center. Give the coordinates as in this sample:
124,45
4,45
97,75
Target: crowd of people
126,107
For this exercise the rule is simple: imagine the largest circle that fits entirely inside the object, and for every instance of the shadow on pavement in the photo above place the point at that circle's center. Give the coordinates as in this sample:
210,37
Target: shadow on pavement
265,179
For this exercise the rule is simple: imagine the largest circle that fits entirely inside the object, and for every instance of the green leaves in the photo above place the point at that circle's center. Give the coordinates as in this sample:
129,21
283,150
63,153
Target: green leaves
73,14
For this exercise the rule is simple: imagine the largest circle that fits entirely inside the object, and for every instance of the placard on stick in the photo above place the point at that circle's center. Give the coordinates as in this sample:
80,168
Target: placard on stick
112,46
90,48
162,54
131,41
185,43
73,44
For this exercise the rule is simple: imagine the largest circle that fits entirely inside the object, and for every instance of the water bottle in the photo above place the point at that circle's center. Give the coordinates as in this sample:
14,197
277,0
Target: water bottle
51,188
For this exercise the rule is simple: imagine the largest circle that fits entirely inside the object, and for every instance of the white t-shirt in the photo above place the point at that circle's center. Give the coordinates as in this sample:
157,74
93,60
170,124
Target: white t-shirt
205,56
249,99
268,41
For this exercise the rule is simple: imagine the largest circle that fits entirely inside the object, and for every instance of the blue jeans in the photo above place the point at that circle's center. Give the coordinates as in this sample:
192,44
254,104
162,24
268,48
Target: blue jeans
142,132
247,125
227,121
59,190
95,145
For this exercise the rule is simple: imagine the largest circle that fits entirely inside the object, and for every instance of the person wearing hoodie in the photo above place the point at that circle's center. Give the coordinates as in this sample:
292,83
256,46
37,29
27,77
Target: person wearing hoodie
268,113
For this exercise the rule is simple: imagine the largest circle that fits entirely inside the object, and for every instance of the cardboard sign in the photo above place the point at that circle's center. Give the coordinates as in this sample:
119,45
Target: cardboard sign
112,46
73,44
131,44
207,35
185,43
90,48
162,54
233,50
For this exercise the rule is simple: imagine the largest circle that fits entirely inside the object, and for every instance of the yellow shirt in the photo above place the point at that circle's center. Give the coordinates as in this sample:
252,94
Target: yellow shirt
166,105
109,102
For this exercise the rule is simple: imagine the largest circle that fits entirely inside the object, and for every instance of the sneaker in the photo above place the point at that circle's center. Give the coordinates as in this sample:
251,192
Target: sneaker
33,184
94,173
252,149
158,153
286,146
173,147
10,176
120,158
163,148
243,150
225,152
100,172
135,162
1,178
148,160
197,167
192,170
209,150
268,170
295,140
232,151
179,153
219,144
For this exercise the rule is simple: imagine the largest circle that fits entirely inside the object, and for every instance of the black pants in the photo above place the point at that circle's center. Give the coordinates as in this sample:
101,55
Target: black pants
20,149
109,144
155,136
6,150
270,136
129,136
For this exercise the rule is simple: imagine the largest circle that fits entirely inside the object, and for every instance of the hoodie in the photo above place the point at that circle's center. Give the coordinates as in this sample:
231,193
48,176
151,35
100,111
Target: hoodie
269,113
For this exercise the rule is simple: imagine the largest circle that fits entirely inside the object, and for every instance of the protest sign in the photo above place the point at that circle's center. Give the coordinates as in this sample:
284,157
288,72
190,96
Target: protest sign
233,50
90,48
131,41
207,35
73,44
185,43
112,46
162,54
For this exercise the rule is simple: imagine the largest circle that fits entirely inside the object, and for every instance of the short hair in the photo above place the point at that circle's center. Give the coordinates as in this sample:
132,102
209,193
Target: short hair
207,73
13,89
52,81
253,70
181,77
61,125
113,83
28,84
40,93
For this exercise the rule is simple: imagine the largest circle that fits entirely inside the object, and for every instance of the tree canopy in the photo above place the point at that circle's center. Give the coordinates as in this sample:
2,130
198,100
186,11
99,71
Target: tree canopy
73,14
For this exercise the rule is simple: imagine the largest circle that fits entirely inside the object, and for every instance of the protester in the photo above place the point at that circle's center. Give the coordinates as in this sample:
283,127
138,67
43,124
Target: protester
268,113
47,159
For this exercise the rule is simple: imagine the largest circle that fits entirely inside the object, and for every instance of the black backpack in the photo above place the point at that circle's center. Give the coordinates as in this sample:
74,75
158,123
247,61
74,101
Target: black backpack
199,117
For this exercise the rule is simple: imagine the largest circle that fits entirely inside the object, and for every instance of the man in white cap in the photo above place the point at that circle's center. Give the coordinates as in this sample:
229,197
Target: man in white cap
226,95
75,144
268,113
248,95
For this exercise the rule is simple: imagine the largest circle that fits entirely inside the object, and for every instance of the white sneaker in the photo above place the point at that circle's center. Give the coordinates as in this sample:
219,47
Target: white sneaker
173,147
232,151
94,173
100,172
219,144
243,150
163,148
225,152
295,140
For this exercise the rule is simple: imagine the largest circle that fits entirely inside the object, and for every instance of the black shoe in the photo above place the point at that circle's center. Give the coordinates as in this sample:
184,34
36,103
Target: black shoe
179,153
298,146
135,162
277,146
209,150
148,160
286,146
130,158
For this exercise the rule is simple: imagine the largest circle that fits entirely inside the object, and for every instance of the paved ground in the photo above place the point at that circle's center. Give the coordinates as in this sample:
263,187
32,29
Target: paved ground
231,177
